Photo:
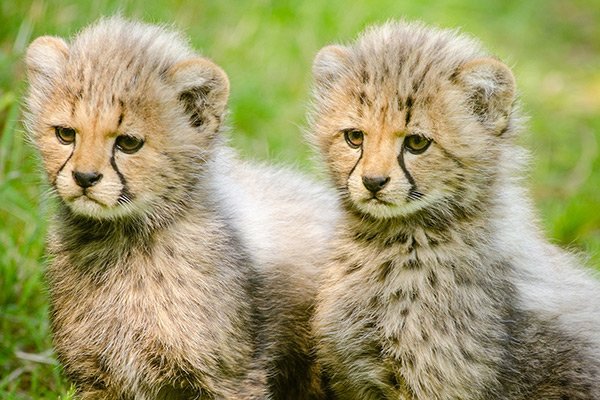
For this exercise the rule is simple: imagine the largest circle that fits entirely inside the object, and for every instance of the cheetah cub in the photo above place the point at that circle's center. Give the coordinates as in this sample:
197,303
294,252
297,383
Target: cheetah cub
441,285
176,271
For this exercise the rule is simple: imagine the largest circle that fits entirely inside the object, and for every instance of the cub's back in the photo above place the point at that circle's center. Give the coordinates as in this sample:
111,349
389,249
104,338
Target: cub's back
283,217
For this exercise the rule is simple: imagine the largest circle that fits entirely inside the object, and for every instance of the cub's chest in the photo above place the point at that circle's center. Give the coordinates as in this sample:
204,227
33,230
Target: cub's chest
134,322
366,324
100,306
383,295
149,295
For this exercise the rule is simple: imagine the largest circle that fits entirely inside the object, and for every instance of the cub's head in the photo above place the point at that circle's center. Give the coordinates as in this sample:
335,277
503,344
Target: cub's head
125,117
411,119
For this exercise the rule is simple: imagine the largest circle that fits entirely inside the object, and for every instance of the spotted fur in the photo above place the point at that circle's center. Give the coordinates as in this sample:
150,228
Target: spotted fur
179,271
440,284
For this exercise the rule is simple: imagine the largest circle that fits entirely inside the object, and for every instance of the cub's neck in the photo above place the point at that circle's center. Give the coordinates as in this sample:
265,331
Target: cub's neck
425,230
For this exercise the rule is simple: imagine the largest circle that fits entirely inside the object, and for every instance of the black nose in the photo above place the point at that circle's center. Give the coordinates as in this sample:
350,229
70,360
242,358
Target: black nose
375,183
86,179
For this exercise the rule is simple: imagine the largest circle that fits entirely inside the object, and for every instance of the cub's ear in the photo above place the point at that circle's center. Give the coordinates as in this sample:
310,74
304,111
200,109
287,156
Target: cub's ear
329,64
45,58
202,90
490,88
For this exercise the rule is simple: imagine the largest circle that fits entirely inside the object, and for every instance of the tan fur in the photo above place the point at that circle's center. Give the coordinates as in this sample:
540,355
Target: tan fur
175,274
440,285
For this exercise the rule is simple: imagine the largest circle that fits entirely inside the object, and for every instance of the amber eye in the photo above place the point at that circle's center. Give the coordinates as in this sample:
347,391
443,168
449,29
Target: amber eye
64,135
128,144
354,138
416,144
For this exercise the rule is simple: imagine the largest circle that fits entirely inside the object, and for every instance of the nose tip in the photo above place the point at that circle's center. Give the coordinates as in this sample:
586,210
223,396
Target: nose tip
375,183
86,179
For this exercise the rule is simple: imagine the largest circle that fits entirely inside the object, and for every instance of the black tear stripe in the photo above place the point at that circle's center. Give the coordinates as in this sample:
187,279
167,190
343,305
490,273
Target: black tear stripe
63,166
357,161
125,195
412,193
352,171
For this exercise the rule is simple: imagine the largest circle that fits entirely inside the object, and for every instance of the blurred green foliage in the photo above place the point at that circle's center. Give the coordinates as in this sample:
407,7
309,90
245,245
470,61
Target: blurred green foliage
266,47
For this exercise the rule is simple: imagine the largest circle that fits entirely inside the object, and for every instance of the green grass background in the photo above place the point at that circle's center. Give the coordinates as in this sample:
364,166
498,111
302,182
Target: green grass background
267,47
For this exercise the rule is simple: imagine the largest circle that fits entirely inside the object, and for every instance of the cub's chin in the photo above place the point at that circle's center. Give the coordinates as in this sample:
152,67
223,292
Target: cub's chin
385,207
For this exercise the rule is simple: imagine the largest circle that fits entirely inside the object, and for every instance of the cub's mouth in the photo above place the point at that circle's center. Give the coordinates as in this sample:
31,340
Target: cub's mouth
85,198
376,202
89,206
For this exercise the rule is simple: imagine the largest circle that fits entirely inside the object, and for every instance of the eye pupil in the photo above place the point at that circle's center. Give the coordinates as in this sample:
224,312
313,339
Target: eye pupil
354,137
65,135
128,144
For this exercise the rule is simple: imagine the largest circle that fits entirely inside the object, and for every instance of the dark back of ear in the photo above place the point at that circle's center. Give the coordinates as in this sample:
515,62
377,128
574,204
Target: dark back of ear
203,89
489,87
